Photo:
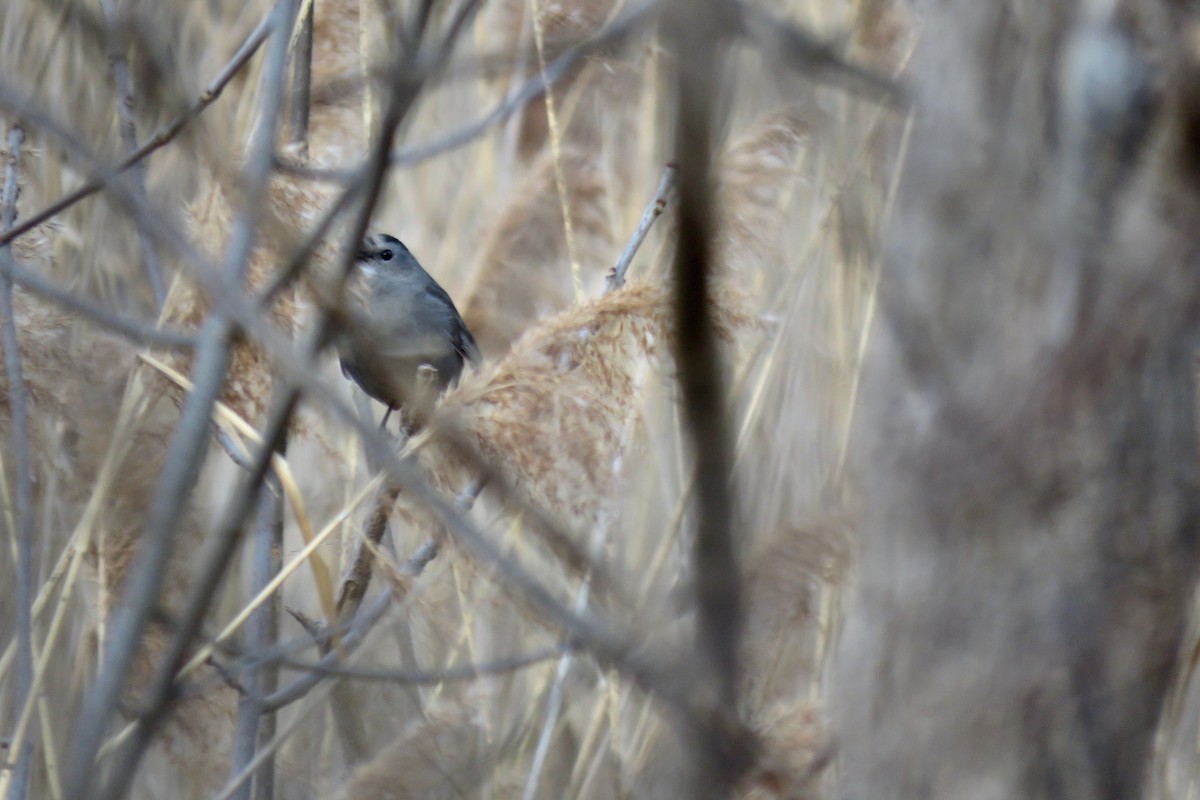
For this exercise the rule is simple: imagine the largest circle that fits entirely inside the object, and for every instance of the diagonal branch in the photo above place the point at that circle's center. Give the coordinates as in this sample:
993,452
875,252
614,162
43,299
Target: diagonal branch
141,331
658,203
624,26
160,137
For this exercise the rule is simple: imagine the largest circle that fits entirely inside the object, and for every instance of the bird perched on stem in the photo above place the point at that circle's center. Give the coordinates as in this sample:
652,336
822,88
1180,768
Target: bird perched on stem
409,338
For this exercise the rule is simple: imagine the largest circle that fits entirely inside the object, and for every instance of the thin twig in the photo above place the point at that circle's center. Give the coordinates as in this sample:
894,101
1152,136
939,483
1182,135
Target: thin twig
311,626
269,747
236,452
358,578
336,669
413,566
227,676
119,68
185,450
160,137
265,780
658,204
358,630
553,707
18,789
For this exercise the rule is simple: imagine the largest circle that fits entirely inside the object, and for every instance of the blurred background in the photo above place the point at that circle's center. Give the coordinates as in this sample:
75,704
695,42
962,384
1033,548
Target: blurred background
819,178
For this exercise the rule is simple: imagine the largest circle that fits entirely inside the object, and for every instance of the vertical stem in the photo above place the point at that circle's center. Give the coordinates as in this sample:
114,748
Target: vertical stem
119,67
264,782
699,361
697,34
17,403
261,637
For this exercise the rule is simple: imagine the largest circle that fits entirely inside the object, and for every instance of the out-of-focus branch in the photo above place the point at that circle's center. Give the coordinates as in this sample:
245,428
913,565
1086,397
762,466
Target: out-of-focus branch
21,747
160,137
630,22
698,38
335,669
141,331
357,632
358,625
119,67
799,50
185,450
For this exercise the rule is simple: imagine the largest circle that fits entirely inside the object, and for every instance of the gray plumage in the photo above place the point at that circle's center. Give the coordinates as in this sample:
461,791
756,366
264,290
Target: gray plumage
409,321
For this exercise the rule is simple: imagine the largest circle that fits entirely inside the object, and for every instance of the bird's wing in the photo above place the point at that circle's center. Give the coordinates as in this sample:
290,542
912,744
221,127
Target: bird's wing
466,346
464,342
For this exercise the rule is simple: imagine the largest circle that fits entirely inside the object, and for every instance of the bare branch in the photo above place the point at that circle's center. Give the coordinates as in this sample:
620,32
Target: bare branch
141,331
335,668
698,37
185,451
658,203
160,137
358,579
799,50
625,25
22,748
358,631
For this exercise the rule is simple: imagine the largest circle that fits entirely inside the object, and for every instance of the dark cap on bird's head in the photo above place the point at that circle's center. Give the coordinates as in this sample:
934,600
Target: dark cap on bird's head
381,247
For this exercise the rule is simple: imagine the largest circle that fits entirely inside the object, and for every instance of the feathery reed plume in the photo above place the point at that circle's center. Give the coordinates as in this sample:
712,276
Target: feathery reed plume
756,178
786,571
551,414
882,33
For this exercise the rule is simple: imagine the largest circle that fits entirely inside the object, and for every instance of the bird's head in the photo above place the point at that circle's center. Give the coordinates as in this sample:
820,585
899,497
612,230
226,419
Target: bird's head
383,250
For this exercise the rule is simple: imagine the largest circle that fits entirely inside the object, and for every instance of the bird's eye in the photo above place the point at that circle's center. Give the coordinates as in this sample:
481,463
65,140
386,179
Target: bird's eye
385,255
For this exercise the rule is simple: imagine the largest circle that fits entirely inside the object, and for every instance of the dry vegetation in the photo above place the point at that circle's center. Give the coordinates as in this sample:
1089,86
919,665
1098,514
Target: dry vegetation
585,575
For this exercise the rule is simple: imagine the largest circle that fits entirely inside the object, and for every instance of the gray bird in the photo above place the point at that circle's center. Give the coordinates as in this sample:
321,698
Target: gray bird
408,320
